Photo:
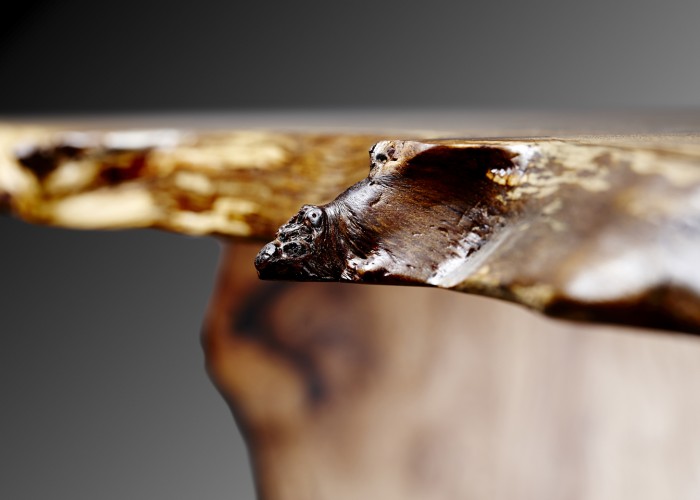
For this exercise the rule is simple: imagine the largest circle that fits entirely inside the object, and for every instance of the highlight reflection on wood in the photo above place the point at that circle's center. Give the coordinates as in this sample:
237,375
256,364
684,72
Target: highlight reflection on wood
348,392
604,230
596,228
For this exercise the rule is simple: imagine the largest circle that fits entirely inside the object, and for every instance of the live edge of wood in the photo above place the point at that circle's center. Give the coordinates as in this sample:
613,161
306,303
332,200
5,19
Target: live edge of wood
595,228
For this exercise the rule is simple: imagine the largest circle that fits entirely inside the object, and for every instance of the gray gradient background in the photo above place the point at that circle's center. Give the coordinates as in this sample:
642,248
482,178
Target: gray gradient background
104,394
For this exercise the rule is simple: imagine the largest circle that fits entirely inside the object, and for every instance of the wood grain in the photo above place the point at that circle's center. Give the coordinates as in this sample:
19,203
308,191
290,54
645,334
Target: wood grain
596,229
225,183
350,392
389,392
589,227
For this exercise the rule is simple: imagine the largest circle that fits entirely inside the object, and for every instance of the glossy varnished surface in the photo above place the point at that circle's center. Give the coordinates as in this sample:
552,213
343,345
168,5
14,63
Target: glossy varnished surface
592,217
598,229
346,391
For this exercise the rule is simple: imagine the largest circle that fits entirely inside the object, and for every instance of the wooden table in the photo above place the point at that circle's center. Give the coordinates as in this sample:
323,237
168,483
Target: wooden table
393,392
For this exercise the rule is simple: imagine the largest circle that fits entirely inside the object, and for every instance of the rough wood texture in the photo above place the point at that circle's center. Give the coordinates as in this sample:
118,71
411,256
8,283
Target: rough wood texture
350,392
604,229
600,228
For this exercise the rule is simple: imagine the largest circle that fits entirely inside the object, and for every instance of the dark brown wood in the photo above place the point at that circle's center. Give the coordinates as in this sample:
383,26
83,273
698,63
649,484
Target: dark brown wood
600,228
399,224
596,229
350,392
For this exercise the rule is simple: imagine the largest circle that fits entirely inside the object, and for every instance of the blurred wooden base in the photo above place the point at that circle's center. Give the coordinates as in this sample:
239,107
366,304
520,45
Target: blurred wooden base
349,392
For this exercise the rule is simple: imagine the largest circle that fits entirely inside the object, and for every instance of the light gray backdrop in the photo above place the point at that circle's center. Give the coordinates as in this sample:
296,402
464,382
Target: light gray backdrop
103,389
